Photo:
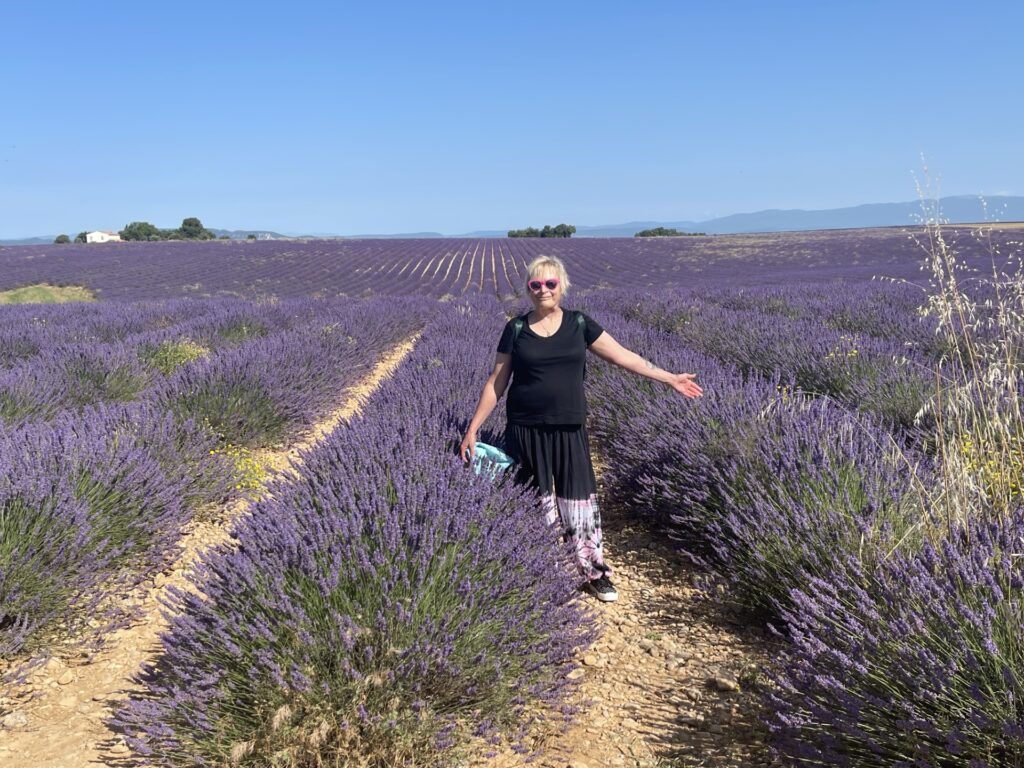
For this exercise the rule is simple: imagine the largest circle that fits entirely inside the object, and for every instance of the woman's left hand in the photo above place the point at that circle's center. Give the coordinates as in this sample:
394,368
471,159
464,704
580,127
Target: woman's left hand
684,384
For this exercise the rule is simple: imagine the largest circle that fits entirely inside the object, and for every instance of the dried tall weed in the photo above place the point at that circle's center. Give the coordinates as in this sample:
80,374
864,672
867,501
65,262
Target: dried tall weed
977,405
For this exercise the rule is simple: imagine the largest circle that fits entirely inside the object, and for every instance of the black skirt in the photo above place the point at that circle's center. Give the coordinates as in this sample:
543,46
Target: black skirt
553,458
556,461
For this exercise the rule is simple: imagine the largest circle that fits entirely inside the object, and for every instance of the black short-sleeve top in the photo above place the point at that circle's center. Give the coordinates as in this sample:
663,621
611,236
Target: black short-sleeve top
547,371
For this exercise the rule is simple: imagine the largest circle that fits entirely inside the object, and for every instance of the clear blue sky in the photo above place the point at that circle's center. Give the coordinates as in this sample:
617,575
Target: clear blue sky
387,117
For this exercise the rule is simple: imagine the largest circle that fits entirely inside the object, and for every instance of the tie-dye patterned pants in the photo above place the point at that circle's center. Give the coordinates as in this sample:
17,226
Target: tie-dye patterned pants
555,459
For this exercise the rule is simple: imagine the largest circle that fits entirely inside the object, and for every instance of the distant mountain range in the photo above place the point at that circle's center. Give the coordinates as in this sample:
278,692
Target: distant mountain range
962,209
241,234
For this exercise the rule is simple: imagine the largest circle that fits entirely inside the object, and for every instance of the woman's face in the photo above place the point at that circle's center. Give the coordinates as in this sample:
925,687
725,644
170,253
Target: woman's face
545,298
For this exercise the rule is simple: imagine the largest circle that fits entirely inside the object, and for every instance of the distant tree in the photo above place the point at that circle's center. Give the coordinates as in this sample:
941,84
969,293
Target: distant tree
250,236
141,230
665,232
562,230
82,237
190,229
193,229
224,237
62,239
528,232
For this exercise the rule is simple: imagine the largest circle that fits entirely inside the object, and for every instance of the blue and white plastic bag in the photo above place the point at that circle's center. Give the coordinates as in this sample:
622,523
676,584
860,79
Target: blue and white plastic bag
490,460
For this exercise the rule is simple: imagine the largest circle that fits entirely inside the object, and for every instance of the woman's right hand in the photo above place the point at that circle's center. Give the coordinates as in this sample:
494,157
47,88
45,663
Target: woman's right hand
684,384
468,446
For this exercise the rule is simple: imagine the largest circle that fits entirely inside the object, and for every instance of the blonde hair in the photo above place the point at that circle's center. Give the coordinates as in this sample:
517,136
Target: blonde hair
550,262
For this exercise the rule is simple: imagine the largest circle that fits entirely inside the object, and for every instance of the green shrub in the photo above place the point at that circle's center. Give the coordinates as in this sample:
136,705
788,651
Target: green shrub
242,330
250,474
17,405
239,413
168,356
90,381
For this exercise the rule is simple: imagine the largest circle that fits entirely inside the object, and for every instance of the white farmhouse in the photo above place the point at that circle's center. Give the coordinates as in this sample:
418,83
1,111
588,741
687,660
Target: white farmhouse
100,236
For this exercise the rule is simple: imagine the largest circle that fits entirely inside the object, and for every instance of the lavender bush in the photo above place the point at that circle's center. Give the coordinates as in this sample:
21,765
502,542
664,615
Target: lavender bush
398,615
883,310
265,392
44,530
915,662
90,506
379,609
805,485
109,375
25,396
70,378
875,375
18,344
661,451
758,482
916,659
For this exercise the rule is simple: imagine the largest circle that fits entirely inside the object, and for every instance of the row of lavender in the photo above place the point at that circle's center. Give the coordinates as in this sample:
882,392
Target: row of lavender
380,608
866,349
119,423
904,635
452,267
283,354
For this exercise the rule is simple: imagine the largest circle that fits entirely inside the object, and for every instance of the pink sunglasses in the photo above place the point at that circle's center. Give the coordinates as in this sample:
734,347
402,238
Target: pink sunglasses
535,285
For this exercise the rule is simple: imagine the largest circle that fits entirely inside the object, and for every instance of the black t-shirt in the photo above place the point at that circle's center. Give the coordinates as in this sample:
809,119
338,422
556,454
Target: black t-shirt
547,372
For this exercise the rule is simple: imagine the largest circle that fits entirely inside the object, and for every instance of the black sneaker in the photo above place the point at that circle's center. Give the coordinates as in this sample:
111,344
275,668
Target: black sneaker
603,589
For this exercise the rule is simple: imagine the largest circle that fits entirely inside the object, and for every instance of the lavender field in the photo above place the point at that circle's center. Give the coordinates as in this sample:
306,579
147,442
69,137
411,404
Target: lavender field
372,611
454,267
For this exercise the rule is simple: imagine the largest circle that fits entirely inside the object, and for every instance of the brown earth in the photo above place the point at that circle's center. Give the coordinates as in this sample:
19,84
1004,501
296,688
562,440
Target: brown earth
58,719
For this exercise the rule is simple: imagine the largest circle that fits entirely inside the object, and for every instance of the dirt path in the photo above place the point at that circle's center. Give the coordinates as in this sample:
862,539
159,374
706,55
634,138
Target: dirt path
59,721
668,683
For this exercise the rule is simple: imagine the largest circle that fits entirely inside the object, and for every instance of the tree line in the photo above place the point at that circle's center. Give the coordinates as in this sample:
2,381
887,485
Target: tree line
666,232
190,229
559,230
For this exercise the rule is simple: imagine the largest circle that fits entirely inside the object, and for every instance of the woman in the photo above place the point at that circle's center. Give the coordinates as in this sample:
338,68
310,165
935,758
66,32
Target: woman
547,433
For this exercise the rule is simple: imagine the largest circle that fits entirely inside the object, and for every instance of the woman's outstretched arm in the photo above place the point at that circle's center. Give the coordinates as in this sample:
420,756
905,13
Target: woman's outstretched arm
609,349
494,388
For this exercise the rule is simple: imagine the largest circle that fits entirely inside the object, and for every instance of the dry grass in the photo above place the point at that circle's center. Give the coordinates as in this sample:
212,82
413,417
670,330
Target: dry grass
986,225
977,407
44,293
